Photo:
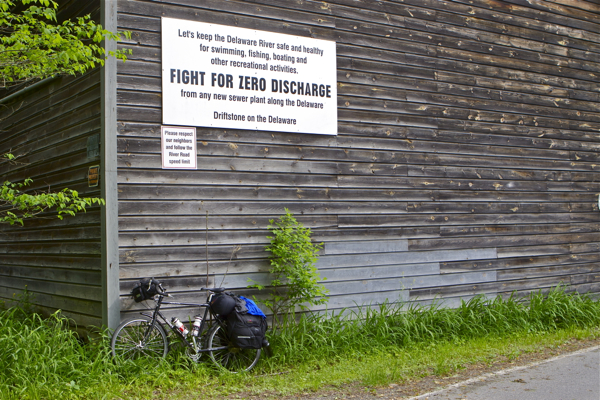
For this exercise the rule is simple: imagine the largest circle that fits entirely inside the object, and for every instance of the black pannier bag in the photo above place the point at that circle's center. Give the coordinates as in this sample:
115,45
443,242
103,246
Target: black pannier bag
246,331
145,289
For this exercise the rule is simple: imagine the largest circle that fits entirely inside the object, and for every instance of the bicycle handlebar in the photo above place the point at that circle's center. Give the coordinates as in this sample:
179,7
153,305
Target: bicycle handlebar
160,290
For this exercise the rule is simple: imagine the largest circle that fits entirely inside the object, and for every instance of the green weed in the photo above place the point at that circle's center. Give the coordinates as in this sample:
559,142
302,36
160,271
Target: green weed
319,336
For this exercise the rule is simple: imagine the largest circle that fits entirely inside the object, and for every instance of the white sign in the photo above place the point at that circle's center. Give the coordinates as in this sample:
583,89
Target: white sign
229,77
178,147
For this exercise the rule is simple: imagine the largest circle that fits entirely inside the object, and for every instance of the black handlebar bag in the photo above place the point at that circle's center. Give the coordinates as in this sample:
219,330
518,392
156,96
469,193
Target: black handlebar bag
145,289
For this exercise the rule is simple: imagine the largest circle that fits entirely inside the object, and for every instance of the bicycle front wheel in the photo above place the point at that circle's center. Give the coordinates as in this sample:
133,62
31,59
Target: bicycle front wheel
233,359
137,337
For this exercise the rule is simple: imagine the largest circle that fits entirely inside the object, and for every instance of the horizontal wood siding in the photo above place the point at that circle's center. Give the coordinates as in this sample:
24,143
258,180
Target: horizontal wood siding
467,160
57,262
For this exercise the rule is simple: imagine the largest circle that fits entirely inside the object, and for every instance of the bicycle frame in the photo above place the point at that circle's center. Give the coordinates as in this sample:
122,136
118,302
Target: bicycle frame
156,313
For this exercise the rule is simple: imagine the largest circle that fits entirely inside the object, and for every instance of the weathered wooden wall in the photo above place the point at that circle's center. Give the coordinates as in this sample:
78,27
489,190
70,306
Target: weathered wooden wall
466,161
55,131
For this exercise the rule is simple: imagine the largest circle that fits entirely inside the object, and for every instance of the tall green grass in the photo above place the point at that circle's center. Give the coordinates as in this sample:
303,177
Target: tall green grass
44,359
41,358
319,336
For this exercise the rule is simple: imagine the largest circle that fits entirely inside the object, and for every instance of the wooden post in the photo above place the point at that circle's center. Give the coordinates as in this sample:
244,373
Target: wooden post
108,176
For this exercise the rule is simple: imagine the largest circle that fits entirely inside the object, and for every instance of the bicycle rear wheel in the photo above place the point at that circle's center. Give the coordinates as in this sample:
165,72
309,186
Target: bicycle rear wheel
233,359
136,338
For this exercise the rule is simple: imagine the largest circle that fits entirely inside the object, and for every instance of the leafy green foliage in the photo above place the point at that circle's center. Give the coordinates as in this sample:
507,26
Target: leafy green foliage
16,205
295,278
33,45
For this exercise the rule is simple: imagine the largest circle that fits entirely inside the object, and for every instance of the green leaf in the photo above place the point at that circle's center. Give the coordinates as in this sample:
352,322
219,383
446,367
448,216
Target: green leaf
38,47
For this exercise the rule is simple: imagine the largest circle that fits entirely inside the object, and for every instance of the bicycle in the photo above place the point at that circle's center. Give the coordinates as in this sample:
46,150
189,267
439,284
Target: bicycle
146,336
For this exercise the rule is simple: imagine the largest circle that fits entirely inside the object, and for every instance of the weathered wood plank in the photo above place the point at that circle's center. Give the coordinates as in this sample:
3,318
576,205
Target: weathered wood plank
444,219
358,247
187,253
492,287
487,173
66,248
66,289
394,271
585,247
501,241
593,277
225,178
85,277
478,231
50,261
175,237
70,234
271,209
531,131
260,193
401,258
451,302
437,281
548,139
585,288
540,272
257,193
532,251
363,299
521,262
482,208
187,269
296,166
462,195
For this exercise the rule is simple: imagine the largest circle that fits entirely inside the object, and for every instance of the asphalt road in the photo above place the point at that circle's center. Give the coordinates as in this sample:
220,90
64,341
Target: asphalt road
573,376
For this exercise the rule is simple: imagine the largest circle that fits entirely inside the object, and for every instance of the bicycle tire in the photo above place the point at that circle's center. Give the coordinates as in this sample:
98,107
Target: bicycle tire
128,340
233,359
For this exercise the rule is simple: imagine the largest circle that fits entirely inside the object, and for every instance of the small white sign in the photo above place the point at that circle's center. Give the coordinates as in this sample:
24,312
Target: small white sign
178,146
228,77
